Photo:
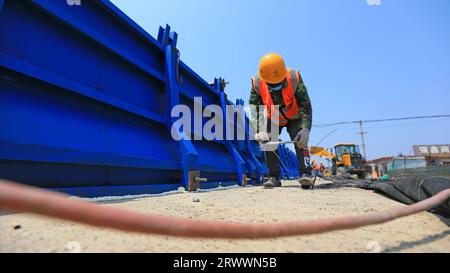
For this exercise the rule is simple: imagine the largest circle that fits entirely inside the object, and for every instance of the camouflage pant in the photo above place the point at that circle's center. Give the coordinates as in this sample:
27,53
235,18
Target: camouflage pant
272,157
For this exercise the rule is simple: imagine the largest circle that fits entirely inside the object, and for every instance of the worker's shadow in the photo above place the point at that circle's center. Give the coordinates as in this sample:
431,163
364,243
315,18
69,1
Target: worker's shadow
424,241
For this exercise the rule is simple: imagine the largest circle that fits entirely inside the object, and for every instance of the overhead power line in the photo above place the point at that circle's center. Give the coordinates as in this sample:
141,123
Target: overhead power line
361,125
380,120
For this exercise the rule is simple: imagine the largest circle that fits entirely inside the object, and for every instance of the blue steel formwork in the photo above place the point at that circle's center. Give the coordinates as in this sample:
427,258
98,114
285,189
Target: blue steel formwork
85,103
294,163
289,164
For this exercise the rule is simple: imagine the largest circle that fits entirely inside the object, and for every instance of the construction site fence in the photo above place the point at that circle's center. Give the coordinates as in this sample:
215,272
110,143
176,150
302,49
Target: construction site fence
429,171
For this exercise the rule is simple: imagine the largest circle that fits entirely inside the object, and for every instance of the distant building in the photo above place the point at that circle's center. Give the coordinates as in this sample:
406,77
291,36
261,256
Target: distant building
379,167
407,162
385,165
436,155
431,159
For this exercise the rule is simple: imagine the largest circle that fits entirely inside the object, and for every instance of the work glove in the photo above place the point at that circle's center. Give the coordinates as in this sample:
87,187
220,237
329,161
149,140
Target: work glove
262,137
302,138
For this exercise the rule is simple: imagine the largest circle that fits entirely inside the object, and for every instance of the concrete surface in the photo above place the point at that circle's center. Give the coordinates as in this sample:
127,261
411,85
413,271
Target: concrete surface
424,232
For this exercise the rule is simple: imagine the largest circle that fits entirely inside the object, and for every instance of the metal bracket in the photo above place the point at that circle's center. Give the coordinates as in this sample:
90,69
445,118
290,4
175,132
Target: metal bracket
246,147
195,180
177,67
259,168
166,37
245,180
187,150
219,85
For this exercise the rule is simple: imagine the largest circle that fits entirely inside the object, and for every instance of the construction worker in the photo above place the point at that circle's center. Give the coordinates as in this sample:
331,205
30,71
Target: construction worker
322,167
276,85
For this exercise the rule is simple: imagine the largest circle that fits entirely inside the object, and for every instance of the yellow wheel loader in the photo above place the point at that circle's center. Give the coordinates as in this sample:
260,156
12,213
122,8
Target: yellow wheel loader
345,158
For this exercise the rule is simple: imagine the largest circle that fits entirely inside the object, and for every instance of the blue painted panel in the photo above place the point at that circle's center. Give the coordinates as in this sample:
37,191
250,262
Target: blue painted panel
47,175
85,98
69,53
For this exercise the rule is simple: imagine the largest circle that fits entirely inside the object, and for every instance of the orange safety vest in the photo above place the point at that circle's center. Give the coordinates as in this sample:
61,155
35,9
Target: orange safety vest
291,111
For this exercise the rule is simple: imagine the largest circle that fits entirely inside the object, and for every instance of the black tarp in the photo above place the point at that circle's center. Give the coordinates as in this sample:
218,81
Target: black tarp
408,191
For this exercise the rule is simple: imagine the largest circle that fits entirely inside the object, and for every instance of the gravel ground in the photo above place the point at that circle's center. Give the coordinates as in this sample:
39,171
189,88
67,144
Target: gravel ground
424,232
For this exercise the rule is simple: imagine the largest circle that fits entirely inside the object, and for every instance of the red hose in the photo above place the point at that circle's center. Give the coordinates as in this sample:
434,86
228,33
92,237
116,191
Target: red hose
20,198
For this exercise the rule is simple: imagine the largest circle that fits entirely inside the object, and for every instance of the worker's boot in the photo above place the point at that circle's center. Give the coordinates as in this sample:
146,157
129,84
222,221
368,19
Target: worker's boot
273,182
306,181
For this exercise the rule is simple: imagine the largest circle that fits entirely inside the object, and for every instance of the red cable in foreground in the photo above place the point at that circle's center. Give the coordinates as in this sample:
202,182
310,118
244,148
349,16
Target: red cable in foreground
20,198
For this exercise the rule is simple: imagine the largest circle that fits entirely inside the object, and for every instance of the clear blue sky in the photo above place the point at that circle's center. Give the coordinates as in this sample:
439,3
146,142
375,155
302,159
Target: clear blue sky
358,61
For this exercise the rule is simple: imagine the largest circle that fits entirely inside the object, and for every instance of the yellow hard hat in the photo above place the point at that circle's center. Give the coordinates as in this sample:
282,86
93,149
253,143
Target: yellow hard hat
272,68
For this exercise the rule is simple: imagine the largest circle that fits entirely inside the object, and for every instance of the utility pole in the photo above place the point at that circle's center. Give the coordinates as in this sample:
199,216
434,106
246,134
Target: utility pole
362,133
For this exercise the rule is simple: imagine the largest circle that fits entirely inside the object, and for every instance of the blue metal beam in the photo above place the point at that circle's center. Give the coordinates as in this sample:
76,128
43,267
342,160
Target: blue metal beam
186,69
47,154
111,8
187,150
75,87
239,161
98,38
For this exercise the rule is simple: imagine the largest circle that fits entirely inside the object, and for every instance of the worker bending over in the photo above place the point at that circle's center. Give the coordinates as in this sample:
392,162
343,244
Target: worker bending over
276,85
